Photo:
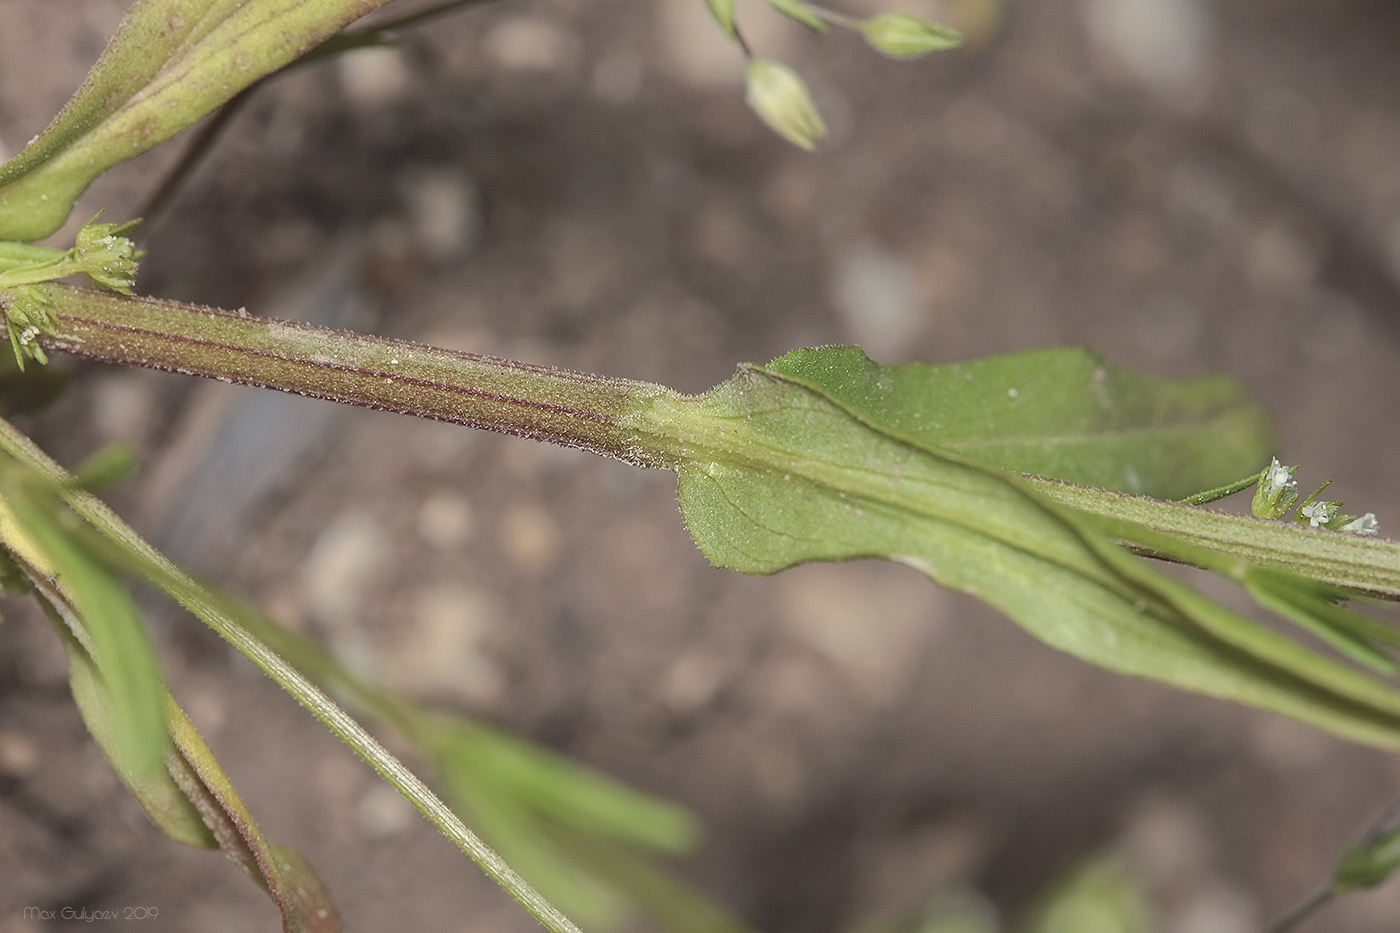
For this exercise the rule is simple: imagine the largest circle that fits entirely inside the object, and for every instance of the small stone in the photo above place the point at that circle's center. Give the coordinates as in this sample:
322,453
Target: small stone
1280,264
344,563
444,212
691,683
871,630
445,520
123,407
374,77
877,297
1216,908
530,538
1168,841
617,77
1165,44
531,44
444,650
19,756
382,812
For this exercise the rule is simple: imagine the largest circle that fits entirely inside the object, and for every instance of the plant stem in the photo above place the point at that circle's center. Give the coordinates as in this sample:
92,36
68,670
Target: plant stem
152,565
639,422
596,413
1180,532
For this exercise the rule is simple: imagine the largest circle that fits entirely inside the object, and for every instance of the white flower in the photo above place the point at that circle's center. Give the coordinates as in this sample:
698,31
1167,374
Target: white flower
1279,478
1363,525
1319,513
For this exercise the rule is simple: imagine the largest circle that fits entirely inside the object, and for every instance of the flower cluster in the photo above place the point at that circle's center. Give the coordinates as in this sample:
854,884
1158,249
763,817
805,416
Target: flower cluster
778,95
1277,491
100,251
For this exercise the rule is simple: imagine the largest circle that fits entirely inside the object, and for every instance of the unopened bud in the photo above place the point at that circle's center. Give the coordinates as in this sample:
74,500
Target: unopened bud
107,257
900,35
780,99
723,12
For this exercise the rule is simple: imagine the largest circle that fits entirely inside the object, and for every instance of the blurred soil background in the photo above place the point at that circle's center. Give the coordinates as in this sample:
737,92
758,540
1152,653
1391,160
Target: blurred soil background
1185,186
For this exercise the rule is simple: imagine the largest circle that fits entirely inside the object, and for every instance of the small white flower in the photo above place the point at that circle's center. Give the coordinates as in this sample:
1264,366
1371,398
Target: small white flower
1319,513
1363,525
1279,478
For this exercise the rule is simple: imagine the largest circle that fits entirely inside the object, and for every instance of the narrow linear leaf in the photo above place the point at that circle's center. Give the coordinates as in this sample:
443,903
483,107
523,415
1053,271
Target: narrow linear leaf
191,799
105,617
288,878
139,558
159,796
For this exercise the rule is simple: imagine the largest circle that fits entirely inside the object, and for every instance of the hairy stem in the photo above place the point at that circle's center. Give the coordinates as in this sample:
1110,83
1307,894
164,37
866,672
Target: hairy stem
639,422
573,409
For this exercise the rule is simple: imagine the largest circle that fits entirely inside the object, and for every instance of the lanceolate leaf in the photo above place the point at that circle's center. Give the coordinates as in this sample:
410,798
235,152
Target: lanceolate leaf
1060,413
170,63
778,468
192,801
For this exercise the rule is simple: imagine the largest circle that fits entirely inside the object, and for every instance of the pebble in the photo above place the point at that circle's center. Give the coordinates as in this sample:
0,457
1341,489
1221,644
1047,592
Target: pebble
697,52
530,538
617,77
531,44
877,297
19,756
691,683
1217,908
1279,263
445,520
374,77
382,812
348,558
443,650
872,629
1168,841
1164,44
444,211
123,407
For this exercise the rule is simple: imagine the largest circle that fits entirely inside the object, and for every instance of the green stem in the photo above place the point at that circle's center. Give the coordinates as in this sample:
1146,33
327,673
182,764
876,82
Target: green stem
156,567
573,409
1229,544
639,422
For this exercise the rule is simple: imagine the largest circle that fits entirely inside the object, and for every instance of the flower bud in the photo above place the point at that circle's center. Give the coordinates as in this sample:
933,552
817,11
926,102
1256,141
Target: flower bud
780,99
900,35
1276,492
107,257
28,317
1361,524
723,12
800,12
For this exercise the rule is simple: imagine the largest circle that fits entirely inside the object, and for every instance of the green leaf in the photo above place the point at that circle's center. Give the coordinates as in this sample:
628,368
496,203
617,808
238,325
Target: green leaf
104,616
168,807
128,550
1060,413
170,63
723,12
779,467
192,801
800,12
1368,863
1100,896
